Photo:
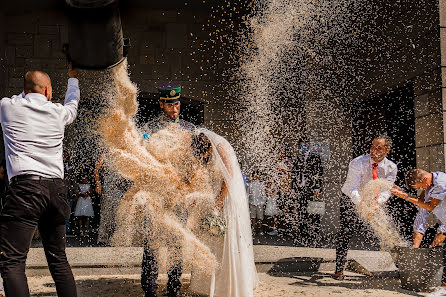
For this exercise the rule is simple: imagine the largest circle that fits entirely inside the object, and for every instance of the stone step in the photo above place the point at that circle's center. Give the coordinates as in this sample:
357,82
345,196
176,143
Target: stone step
271,259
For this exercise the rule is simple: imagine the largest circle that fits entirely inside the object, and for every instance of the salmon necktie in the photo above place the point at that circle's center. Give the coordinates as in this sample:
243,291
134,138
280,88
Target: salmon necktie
375,171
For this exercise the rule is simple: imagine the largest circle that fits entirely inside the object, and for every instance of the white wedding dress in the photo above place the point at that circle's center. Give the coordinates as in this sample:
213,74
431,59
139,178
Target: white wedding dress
236,275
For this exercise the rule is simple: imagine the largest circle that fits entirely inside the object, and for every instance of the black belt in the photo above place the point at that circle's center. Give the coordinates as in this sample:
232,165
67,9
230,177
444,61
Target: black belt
32,177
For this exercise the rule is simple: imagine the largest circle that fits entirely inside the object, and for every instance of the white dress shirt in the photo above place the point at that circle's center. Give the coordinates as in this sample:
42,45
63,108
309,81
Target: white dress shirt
438,191
33,131
360,173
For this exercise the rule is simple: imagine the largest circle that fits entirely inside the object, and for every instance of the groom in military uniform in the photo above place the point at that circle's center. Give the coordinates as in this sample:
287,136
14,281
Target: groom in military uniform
170,105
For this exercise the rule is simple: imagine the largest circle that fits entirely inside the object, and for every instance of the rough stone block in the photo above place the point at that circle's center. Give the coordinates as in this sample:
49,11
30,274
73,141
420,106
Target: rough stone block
176,35
219,112
19,62
160,55
427,82
33,63
436,158
52,17
154,38
146,59
423,158
432,47
43,45
24,51
443,76
12,91
10,55
63,34
142,72
56,49
429,130
435,101
442,8
173,59
147,54
19,39
443,46
16,72
49,29
422,105
15,82
21,24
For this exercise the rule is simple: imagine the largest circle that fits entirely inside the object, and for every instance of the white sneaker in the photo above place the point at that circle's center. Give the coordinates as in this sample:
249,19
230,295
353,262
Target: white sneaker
439,292
273,233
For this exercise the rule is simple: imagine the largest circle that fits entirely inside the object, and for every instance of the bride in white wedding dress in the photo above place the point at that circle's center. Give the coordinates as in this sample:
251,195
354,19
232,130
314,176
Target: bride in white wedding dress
235,275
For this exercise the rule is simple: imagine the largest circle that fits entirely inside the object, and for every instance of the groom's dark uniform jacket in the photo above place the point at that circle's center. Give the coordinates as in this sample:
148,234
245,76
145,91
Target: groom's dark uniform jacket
149,271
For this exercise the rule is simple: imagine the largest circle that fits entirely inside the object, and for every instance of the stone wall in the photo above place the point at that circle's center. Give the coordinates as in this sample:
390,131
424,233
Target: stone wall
441,94
409,51
34,41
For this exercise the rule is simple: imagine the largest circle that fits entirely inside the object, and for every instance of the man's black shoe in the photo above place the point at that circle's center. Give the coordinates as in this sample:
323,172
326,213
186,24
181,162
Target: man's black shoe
150,294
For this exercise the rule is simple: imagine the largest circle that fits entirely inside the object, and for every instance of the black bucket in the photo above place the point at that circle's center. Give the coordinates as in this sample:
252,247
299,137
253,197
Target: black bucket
95,34
420,268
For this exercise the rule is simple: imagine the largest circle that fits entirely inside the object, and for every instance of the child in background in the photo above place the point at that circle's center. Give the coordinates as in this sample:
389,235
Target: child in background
257,200
84,206
271,209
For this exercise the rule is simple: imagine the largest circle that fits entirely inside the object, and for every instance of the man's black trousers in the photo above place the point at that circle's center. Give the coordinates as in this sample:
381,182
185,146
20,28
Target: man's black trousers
149,274
349,223
33,202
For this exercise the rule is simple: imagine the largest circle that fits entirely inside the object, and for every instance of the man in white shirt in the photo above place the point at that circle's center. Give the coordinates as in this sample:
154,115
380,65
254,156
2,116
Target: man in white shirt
33,131
361,170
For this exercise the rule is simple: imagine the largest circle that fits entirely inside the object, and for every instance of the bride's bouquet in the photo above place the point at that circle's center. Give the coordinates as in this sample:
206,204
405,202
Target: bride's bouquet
214,224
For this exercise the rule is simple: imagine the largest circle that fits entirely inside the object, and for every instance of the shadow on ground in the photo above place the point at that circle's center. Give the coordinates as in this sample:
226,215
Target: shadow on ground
382,281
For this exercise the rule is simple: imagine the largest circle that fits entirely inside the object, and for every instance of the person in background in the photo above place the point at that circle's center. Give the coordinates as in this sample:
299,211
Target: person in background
84,206
271,208
286,200
306,185
70,183
243,174
257,200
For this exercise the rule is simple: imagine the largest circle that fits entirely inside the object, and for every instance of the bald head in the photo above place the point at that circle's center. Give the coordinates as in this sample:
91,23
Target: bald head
38,82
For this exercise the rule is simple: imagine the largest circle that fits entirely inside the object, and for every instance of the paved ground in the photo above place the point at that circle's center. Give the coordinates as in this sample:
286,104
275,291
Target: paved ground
296,284
105,271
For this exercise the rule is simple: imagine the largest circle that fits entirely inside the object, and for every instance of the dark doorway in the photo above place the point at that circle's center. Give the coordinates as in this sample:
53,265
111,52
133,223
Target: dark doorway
393,114
149,108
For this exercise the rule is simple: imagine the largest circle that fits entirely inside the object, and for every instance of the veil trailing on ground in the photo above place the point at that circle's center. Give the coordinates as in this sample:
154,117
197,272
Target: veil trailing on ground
236,275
